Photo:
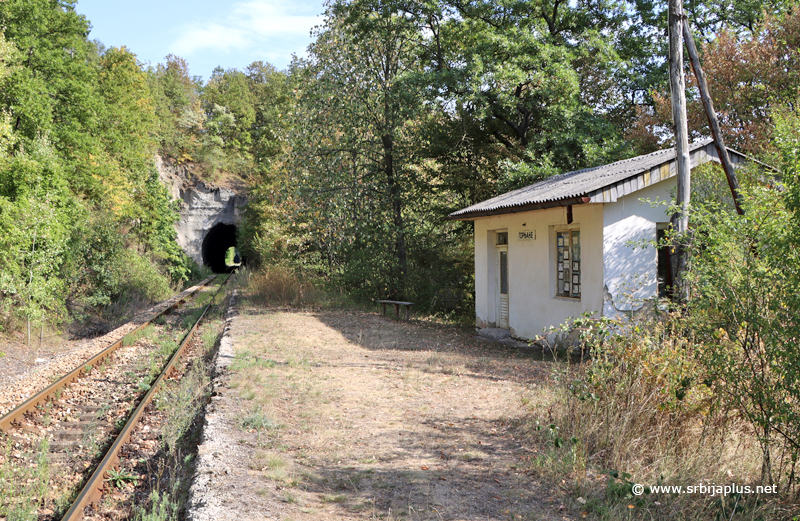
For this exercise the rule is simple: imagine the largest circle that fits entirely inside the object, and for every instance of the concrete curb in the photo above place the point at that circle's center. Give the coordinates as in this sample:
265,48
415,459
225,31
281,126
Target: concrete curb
203,503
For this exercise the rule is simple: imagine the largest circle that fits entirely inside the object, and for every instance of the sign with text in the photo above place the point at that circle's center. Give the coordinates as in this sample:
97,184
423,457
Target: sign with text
526,235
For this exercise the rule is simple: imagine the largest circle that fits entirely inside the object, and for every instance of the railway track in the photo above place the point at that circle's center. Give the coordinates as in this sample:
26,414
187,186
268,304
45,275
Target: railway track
62,445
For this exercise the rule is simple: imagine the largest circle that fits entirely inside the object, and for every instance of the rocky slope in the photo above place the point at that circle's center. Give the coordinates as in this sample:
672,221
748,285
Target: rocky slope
209,214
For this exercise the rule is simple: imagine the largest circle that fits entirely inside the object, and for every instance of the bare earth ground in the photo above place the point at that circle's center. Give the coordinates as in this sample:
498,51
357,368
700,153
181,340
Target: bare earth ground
337,415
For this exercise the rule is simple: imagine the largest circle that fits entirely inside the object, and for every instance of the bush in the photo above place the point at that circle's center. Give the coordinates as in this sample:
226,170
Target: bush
640,410
637,404
709,393
279,286
140,280
745,275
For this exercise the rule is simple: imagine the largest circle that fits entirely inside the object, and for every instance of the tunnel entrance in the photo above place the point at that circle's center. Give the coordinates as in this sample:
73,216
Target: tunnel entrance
216,243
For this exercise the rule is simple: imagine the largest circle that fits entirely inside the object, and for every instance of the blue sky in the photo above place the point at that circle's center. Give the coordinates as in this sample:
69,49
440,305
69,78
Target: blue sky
207,33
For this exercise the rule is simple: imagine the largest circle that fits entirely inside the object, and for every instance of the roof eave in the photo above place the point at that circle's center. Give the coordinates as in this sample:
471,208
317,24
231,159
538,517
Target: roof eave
469,216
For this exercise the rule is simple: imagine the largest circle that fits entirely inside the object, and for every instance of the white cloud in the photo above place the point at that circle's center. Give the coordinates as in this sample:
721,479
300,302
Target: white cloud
249,25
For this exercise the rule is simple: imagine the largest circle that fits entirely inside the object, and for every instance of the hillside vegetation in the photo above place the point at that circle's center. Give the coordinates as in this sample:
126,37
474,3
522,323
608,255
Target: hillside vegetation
85,225
399,114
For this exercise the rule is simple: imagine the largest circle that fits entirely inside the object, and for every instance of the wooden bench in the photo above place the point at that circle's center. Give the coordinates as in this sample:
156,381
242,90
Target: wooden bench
397,305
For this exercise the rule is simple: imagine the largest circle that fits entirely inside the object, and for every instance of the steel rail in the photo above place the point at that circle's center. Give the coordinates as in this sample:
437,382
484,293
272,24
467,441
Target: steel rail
44,395
93,490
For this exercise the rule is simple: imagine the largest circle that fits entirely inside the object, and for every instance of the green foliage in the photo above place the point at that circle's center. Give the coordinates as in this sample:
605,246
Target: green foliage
787,142
142,279
120,477
517,175
178,108
92,265
77,184
232,123
34,231
745,274
230,256
162,507
355,191
729,357
156,231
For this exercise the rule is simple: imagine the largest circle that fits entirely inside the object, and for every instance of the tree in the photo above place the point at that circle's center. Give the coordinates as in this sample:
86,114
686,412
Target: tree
749,75
355,131
272,100
230,89
178,107
532,88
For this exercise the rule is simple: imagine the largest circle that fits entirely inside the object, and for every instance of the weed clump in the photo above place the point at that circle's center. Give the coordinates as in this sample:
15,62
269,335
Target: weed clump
641,409
22,487
280,286
181,404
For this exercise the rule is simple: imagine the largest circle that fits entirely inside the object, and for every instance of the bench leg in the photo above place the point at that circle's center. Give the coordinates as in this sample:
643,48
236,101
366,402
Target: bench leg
383,308
397,311
407,313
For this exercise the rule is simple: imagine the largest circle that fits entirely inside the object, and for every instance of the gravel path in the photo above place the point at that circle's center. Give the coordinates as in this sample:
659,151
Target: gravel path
337,416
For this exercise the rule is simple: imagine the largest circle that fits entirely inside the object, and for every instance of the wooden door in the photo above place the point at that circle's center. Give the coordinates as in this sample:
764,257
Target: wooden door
502,287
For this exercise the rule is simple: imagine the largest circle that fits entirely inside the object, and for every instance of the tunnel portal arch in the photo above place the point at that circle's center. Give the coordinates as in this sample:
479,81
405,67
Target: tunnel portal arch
216,242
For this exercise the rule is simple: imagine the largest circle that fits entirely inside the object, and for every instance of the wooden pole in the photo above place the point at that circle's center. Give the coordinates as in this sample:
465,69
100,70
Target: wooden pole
713,122
677,87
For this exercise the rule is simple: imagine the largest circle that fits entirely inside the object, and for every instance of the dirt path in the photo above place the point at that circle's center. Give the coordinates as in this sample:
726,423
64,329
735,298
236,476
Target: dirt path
336,415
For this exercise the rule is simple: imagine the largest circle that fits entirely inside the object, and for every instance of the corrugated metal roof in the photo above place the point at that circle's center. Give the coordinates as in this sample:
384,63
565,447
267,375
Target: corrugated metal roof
599,184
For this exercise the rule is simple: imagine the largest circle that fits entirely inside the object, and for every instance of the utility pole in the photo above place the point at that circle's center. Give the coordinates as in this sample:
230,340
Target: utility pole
677,85
713,122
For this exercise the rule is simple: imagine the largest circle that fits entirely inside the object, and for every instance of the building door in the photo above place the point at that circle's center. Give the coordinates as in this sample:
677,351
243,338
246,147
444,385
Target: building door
664,262
501,298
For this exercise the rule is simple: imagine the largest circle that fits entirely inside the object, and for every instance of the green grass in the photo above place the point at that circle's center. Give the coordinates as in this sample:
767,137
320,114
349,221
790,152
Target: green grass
246,360
23,487
209,337
181,403
134,336
258,420
161,507
189,320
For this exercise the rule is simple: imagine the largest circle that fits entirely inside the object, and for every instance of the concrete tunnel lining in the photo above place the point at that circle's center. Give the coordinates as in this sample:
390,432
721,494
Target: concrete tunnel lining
216,242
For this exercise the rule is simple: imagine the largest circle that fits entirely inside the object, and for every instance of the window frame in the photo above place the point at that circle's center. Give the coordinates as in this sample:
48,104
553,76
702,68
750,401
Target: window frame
567,274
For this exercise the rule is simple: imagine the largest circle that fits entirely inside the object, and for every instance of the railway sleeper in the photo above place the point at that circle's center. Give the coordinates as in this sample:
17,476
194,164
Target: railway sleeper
80,407
60,459
85,425
68,446
69,434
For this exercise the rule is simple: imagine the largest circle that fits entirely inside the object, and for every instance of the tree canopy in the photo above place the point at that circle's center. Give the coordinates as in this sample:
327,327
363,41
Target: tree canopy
399,113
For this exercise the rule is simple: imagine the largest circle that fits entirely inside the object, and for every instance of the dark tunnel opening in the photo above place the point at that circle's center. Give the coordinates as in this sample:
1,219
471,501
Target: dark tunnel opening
217,241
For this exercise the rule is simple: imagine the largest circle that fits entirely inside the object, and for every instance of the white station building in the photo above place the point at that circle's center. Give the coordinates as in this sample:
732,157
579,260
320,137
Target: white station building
582,241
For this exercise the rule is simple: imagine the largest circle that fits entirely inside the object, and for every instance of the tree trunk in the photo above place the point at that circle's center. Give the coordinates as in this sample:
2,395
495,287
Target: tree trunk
713,122
397,210
680,220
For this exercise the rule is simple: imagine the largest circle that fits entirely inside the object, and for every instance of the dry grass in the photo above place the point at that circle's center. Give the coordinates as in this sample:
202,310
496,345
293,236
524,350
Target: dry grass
279,286
384,419
356,414
638,414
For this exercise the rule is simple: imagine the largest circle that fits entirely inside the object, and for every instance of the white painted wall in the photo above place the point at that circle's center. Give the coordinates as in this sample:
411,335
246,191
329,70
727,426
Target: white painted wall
629,253
533,305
